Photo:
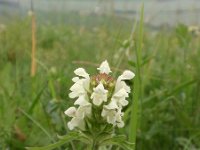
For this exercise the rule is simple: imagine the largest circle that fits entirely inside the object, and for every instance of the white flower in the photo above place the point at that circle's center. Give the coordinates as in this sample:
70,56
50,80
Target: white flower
81,85
84,111
76,122
78,116
113,116
71,112
112,111
109,115
82,100
99,95
81,72
104,67
77,89
106,98
75,79
112,105
127,75
119,121
122,85
120,98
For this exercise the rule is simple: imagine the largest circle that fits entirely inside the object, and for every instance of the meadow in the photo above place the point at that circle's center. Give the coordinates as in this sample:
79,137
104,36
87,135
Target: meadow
32,108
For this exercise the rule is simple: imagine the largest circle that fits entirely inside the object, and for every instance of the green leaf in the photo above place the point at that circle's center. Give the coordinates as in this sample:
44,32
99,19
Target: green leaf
119,140
63,139
83,137
104,136
35,101
137,86
36,123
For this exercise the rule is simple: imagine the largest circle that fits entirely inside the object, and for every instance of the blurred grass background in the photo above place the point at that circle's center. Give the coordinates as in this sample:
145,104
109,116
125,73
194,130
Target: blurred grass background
31,109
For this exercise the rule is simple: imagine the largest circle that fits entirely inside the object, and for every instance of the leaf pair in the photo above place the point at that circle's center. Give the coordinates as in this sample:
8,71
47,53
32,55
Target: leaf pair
103,140
62,140
118,140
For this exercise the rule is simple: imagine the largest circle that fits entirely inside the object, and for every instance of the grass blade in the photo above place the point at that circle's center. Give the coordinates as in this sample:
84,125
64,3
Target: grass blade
37,124
137,83
36,99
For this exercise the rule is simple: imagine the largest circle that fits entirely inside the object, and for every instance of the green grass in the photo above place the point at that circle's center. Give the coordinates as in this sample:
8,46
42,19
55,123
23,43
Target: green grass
137,83
31,109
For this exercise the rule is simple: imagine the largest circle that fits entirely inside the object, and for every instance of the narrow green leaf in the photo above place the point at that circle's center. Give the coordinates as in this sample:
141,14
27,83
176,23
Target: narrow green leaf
35,101
37,124
63,139
137,83
166,93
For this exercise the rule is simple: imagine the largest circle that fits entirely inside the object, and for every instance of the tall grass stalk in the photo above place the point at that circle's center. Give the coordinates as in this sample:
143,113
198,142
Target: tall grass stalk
33,59
137,83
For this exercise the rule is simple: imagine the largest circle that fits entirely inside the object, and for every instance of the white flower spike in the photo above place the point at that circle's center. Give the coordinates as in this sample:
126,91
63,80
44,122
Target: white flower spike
99,99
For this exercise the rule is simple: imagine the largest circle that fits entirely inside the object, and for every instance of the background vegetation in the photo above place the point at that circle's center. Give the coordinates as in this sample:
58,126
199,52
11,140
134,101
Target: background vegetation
31,109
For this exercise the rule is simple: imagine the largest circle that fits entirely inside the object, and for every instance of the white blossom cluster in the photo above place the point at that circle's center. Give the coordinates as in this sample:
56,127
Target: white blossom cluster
96,92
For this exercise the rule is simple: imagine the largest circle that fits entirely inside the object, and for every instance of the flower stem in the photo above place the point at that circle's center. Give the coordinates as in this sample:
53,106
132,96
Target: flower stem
94,145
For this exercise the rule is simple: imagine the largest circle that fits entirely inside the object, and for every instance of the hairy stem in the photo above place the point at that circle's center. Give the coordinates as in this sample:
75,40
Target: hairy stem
94,144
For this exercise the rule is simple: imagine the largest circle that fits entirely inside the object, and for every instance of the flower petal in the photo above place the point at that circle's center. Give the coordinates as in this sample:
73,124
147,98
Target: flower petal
127,75
81,72
81,101
73,95
77,87
71,111
120,124
123,102
111,105
86,84
121,84
121,94
83,111
99,95
100,89
76,122
97,102
104,67
70,125
111,117
75,79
